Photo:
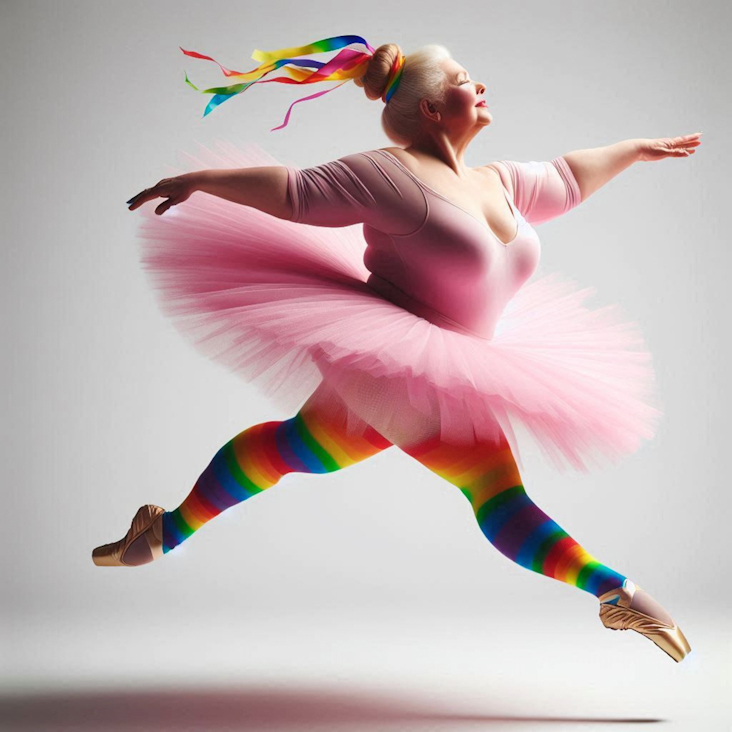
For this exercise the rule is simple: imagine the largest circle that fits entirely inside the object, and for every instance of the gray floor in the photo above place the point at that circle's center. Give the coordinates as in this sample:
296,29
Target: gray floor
397,668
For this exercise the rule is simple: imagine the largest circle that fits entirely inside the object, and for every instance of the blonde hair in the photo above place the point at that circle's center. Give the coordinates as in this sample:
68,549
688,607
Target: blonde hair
422,78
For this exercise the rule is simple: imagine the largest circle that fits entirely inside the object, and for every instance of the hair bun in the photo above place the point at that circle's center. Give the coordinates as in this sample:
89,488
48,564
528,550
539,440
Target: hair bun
375,79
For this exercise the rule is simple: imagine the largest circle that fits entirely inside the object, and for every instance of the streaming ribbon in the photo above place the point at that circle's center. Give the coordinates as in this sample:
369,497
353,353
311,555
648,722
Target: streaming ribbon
347,64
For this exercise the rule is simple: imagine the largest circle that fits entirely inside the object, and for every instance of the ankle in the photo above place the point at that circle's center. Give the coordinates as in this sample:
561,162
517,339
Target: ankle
631,596
621,595
171,534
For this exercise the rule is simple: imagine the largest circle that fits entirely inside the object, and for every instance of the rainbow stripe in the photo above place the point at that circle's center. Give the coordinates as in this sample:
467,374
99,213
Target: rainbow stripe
346,65
486,474
395,76
488,477
257,458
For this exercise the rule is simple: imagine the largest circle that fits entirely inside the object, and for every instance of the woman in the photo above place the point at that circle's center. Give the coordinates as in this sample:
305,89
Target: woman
432,343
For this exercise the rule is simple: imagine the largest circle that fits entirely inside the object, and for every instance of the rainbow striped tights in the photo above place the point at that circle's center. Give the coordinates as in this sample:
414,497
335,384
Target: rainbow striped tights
487,475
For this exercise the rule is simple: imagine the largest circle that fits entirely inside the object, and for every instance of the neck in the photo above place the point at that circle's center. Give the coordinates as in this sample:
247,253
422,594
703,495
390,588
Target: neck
450,151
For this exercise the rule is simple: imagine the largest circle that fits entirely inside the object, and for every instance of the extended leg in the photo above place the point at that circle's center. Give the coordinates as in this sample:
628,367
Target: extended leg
258,457
315,440
489,478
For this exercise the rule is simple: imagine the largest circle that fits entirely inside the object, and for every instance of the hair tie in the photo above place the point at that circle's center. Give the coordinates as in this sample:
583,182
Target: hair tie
395,76
346,65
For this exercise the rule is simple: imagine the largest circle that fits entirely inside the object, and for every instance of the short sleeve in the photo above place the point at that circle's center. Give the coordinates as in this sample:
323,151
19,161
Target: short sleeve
541,190
359,188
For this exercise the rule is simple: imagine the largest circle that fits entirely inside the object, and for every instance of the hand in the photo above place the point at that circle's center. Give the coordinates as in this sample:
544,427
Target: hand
668,147
176,190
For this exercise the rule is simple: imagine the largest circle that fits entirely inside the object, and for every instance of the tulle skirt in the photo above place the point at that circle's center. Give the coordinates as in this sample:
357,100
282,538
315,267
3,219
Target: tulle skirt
286,307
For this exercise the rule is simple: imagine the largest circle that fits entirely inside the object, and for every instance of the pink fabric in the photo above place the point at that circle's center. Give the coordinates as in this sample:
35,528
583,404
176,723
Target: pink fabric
425,252
542,191
407,307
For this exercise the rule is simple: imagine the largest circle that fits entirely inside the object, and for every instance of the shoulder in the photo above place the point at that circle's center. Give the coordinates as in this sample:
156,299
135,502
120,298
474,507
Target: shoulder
362,160
497,168
396,151
408,160
398,161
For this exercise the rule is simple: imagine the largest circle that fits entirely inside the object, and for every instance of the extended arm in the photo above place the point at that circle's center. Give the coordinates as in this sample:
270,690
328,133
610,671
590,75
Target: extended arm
264,188
353,189
594,167
544,190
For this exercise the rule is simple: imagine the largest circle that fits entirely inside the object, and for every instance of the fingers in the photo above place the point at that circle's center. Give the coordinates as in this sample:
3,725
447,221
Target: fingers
688,143
158,190
163,207
135,201
142,196
689,140
685,145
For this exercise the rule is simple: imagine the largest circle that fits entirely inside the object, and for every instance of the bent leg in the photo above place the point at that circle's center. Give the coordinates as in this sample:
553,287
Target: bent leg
488,477
258,457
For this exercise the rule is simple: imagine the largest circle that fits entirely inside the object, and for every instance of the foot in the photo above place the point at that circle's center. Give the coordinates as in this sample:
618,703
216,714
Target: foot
631,608
142,544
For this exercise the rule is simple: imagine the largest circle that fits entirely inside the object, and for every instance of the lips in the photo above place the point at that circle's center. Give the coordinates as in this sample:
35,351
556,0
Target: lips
481,104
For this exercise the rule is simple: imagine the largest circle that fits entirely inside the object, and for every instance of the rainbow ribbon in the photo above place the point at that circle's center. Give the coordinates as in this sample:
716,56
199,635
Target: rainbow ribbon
395,76
346,65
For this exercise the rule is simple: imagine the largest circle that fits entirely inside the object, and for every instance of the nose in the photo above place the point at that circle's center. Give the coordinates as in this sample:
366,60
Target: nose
480,88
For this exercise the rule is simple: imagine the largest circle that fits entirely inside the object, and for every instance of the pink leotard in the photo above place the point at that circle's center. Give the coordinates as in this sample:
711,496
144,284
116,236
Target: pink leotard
426,253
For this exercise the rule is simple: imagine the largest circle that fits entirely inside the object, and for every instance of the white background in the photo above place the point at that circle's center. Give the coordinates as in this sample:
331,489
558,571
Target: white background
368,598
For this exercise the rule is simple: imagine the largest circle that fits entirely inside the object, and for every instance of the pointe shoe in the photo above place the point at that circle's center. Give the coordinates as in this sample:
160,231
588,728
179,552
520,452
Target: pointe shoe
631,608
142,544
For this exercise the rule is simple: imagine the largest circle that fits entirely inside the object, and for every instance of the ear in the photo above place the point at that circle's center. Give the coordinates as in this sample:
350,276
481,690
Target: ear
429,110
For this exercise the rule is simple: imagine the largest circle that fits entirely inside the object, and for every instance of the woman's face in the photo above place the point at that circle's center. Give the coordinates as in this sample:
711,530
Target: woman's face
461,111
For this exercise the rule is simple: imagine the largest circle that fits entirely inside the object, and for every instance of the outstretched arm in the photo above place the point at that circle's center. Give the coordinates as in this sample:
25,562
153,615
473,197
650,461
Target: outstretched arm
594,167
264,188
354,189
544,190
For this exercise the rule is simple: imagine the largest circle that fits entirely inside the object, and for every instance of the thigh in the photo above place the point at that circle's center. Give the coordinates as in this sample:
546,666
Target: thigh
481,470
337,429
402,414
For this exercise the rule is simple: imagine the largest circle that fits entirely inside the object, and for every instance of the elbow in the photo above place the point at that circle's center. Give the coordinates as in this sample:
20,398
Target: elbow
268,190
291,206
577,189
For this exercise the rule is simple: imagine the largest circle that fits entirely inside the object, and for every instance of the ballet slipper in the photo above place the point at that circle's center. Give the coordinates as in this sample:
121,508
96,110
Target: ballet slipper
142,544
631,608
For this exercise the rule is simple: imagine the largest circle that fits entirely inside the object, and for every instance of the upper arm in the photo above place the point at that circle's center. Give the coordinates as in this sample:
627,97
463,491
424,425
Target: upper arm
541,190
358,188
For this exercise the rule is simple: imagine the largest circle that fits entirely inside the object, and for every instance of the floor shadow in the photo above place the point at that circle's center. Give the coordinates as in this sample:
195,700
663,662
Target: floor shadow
243,708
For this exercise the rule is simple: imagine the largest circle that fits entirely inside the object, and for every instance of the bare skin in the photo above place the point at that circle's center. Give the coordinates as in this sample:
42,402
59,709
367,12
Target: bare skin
436,156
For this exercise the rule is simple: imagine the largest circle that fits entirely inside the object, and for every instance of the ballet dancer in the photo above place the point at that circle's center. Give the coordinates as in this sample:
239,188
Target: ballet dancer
388,289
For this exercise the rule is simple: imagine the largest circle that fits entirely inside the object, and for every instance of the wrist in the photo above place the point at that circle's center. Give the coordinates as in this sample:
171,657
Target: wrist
196,179
637,145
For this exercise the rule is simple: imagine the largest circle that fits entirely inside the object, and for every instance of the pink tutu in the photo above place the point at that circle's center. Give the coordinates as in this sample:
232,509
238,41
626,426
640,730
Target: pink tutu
286,306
